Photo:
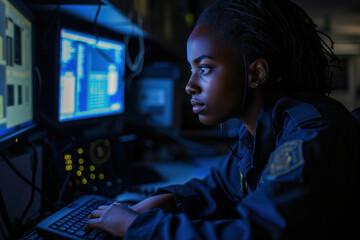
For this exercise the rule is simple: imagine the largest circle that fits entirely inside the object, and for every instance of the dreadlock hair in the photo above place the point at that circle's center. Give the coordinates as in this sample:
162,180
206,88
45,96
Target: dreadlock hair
280,32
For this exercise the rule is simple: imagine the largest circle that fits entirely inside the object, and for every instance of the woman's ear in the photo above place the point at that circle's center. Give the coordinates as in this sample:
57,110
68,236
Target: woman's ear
258,72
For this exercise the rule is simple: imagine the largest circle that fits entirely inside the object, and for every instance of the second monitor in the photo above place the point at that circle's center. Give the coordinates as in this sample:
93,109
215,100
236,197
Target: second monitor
91,76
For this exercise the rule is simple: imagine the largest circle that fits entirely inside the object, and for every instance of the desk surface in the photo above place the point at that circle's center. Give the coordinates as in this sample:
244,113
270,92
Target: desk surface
174,173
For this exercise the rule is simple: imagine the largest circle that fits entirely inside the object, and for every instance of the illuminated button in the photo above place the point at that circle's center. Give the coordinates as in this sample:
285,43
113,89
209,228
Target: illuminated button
101,176
68,162
80,151
81,168
84,181
92,176
92,168
68,167
79,173
81,161
16,139
66,157
189,18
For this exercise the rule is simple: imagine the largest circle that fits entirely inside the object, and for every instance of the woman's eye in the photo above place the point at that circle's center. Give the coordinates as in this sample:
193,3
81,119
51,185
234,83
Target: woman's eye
205,70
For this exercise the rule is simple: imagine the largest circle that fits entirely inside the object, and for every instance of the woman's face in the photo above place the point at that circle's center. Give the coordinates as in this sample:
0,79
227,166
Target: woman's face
216,84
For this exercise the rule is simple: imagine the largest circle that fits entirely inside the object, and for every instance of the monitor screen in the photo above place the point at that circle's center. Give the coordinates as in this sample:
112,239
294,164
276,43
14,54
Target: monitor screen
16,71
91,76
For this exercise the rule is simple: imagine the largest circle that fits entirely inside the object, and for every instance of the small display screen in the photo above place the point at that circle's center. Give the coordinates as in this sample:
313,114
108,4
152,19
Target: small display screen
16,71
91,81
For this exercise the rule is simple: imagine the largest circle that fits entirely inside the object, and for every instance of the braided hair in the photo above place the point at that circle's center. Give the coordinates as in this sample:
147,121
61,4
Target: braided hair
280,32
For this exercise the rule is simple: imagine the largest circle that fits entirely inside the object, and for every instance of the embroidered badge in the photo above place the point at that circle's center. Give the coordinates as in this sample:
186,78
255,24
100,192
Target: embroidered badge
284,159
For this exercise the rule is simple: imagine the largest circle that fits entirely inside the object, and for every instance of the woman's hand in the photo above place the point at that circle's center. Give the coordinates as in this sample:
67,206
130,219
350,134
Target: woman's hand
115,218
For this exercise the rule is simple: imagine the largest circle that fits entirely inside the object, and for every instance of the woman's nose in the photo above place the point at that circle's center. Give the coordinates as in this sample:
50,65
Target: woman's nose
191,87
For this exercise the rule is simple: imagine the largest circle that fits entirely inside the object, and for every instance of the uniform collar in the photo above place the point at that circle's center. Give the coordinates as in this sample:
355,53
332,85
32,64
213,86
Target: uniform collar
265,138
255,152
244,151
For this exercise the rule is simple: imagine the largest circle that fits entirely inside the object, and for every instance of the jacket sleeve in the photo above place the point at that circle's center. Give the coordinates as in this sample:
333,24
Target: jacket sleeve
213,197
257,216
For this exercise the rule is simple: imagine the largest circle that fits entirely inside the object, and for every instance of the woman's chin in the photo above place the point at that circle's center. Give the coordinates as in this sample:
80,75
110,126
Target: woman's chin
208,121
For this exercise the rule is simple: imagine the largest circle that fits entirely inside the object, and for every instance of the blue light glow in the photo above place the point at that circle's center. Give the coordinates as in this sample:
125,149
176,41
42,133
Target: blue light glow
91,81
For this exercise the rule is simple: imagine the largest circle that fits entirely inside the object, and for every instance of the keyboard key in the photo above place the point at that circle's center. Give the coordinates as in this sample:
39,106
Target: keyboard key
93,233
71,230
80,233
54,226
62,228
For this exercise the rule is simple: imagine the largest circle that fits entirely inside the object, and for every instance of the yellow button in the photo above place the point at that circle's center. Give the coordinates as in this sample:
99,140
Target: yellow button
84,181
80,151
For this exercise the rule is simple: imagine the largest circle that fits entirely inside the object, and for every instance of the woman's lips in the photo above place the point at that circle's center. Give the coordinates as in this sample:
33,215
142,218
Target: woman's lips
197,106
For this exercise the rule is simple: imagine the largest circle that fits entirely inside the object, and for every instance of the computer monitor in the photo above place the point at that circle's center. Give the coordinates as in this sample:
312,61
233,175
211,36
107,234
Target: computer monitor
16,72
91,76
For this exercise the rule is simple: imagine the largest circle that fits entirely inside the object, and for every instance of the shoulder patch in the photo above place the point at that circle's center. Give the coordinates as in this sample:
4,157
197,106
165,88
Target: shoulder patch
284,159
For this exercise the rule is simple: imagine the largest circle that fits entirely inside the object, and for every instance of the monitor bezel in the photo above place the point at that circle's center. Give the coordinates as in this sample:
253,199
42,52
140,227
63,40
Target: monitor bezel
21,133
52,62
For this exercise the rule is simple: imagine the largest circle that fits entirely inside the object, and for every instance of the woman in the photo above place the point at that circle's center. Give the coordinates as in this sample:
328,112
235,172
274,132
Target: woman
292,173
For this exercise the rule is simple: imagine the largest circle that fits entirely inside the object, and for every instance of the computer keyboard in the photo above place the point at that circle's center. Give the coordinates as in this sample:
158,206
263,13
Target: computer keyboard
32,235
68,222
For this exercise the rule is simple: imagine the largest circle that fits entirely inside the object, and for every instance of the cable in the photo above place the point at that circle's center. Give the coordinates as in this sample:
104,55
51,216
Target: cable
132,75
139,57
246,82
38,73
5,216
2,236
13,168
63,187
53,17
96,33
33,179
136,66
55,153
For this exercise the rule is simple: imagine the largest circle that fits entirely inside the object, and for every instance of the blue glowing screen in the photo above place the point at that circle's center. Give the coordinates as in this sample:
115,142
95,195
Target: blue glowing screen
16,72
91,81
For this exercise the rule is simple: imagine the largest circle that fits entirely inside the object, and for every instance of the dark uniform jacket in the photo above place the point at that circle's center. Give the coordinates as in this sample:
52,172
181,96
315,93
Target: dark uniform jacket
296,179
